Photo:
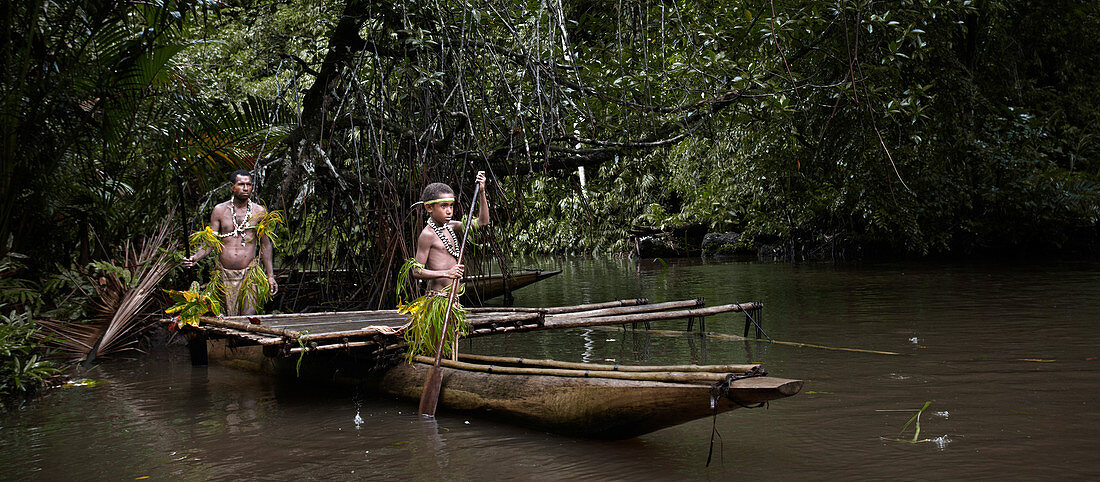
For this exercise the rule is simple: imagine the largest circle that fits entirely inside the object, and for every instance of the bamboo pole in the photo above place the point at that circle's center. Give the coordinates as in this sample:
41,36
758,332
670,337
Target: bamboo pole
253,337
616,368
307,319
481,319
595,306
560,309
332,346
291,316
322,326
623,310
364,331
374,330
210,320
500,330
670,377
663,315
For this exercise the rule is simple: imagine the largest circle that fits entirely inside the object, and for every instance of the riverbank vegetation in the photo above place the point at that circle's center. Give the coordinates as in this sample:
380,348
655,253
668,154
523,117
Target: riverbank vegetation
909,128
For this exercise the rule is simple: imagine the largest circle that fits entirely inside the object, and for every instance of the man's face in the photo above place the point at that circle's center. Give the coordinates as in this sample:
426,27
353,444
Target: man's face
443,211
242,189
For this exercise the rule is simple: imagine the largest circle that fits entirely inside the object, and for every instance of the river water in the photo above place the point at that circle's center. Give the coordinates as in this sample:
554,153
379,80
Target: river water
1006,354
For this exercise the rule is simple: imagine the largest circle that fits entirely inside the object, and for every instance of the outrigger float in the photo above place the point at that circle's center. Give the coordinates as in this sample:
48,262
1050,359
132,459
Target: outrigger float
600,401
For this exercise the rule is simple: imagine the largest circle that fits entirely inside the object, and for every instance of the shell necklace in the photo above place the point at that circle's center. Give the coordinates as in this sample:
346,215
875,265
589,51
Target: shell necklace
238,229
451,248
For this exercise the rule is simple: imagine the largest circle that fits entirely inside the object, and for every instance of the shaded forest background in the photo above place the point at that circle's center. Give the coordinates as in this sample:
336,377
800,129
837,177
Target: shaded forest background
902,128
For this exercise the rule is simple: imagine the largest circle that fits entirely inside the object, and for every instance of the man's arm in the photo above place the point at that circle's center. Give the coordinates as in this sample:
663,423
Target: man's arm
204,249
267,255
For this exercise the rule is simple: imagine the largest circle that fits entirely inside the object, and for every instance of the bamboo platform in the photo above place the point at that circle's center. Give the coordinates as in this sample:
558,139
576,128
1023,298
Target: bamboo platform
375,332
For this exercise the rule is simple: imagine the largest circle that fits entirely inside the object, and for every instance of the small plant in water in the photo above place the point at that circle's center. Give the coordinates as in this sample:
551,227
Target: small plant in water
914,421
301,355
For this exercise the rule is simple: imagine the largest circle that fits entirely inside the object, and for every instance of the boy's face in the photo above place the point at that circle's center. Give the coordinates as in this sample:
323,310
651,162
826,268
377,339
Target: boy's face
441,212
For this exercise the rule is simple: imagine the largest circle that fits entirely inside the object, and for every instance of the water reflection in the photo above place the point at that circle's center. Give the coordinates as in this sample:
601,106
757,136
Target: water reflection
1007,355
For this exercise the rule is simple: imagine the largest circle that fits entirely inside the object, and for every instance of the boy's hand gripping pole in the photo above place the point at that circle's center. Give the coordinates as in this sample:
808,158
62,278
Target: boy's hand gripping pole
429,398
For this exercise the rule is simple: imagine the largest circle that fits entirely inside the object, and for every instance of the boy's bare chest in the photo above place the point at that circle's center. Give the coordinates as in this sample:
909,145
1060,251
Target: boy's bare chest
444,244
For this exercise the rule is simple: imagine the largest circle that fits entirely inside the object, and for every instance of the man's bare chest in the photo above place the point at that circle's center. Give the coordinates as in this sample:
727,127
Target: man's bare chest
237,224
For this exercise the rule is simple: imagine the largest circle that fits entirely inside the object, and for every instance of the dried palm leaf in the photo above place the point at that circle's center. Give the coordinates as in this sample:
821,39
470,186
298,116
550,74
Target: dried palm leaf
119,302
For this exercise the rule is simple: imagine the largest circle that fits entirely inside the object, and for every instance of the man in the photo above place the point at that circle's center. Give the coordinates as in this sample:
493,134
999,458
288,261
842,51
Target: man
233,226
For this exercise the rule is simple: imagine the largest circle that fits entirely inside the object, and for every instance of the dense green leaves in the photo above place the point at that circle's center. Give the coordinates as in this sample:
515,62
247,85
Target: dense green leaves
910,127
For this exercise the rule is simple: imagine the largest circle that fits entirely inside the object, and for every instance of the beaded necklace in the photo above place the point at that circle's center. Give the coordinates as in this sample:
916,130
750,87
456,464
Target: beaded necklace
238,229
451,248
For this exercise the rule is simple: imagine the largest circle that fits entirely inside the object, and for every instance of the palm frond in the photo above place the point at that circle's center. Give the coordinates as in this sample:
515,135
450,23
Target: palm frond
119,303
426,316
268,225
206,237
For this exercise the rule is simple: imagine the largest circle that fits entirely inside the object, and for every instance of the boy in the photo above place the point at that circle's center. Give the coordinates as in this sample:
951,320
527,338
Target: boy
437,251
439,242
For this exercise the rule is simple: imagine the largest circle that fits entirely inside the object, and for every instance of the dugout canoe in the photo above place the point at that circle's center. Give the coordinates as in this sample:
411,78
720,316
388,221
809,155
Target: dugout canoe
302,285
480,288
586,400
586,403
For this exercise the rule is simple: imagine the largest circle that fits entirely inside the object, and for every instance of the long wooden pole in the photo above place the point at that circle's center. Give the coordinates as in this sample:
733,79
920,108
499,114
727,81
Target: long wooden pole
681,377
222,323
654,316
429,398
626,310
560,309
507,360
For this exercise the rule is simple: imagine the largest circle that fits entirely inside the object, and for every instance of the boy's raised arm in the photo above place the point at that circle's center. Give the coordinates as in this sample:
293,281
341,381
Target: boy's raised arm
483,211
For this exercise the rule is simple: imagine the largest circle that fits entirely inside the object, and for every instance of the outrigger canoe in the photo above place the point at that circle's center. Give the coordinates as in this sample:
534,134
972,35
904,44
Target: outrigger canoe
599,401
479,288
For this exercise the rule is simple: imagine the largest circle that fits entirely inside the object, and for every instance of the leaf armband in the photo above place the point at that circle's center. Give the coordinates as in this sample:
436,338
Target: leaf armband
206,238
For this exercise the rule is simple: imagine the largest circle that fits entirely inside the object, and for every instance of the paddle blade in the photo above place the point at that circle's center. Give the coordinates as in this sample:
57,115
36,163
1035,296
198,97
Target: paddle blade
429,398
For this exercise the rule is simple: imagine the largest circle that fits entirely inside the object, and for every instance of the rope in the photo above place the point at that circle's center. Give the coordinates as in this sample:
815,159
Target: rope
719,391
758,327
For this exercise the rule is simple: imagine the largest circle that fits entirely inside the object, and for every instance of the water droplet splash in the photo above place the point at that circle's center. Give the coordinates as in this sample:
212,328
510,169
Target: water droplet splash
358,420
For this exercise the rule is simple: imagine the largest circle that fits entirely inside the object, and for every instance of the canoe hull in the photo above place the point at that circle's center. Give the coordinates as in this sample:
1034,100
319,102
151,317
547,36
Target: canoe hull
588,407
480,288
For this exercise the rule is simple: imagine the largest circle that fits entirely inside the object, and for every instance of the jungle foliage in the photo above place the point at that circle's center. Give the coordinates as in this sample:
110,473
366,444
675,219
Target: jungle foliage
911,127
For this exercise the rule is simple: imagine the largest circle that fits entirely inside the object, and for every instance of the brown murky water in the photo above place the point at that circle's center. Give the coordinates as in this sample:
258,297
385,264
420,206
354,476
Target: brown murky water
970,335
